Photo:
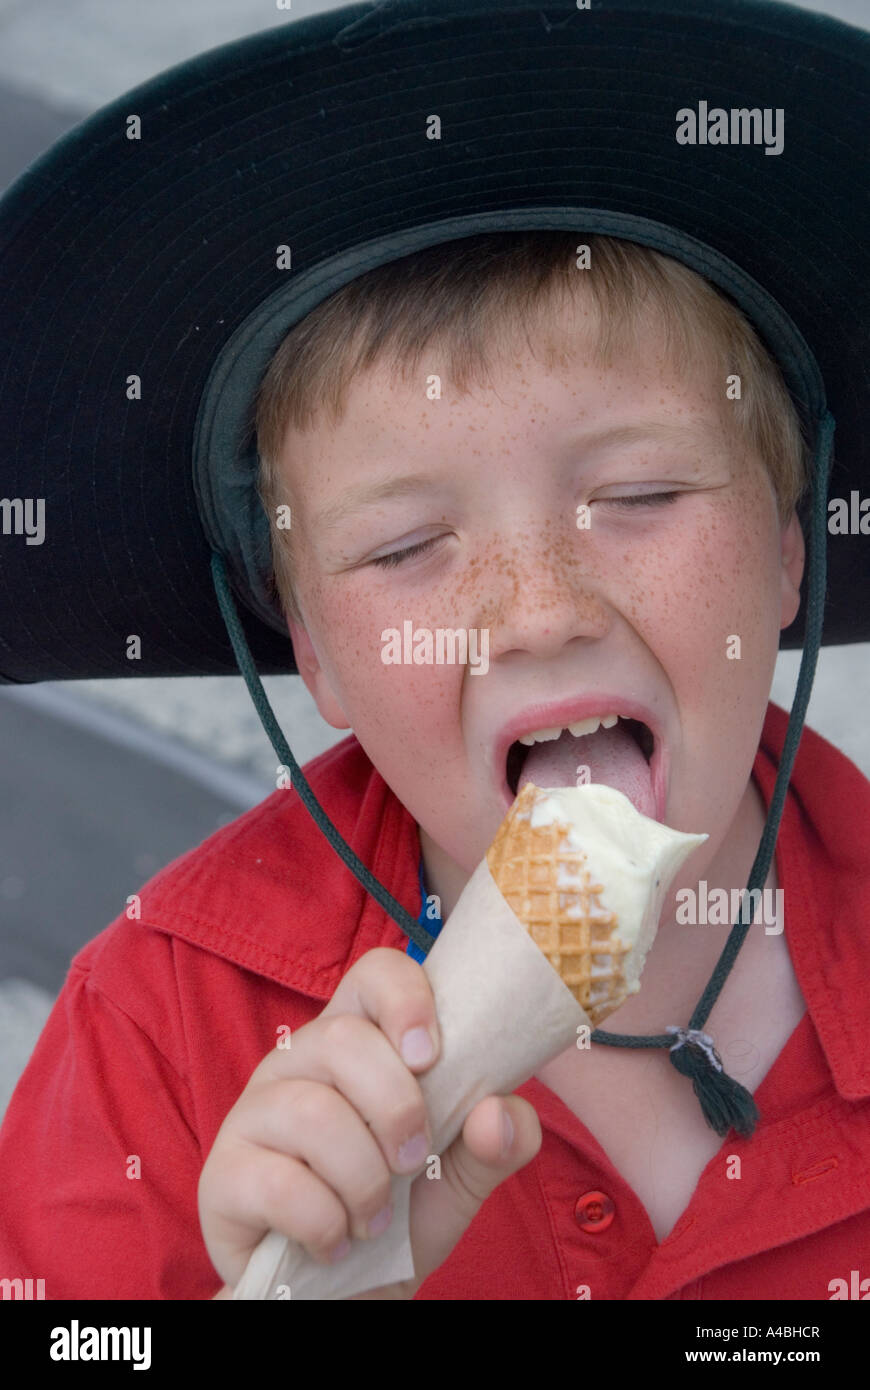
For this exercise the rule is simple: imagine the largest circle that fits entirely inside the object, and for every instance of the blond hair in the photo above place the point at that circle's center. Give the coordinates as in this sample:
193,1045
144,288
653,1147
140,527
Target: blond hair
463,297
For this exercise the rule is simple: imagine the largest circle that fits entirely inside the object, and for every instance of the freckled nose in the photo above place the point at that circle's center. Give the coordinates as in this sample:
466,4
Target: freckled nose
538,599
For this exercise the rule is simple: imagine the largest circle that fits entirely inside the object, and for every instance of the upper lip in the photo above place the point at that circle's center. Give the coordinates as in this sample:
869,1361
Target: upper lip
570,711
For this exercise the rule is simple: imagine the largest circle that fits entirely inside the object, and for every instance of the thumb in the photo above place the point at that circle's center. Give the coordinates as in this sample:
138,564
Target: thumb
471,1168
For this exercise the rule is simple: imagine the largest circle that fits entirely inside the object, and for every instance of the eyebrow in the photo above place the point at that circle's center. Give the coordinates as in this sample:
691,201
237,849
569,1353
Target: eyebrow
644,429
411,484
407,485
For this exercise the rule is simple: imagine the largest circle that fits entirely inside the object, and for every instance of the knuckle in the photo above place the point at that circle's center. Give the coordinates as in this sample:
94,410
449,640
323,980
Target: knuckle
310,1101
378,955
372,963
398,965
277,1185
341,1032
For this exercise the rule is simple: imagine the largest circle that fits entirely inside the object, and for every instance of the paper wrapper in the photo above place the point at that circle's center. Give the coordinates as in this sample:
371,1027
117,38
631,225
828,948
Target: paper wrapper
502,1013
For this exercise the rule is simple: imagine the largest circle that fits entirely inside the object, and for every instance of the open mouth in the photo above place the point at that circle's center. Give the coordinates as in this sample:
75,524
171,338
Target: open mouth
518,752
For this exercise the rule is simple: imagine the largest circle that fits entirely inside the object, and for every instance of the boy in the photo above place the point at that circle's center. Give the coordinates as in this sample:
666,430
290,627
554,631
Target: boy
602,398
578,621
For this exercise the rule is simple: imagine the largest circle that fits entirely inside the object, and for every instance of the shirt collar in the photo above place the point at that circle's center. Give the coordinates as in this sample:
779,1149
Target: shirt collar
269,894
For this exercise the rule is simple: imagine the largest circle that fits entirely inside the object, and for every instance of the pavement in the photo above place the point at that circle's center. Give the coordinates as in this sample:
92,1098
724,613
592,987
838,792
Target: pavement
103,782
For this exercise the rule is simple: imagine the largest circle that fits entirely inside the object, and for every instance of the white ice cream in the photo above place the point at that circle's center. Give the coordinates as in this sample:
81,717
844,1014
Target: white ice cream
632,857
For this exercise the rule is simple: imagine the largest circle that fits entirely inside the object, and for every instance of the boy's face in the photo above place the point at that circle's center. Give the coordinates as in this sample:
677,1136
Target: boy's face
639,609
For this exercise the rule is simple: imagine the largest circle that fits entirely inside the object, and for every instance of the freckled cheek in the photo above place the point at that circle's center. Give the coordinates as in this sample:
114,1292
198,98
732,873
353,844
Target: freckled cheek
389,696
448,604
428,697
719,582
665,585
720,571
411,715
747,573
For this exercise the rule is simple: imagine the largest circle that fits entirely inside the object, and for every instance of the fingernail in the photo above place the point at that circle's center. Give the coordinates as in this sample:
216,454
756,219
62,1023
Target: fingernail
507,1133
413,1151
340,1251
416,1047
381,1221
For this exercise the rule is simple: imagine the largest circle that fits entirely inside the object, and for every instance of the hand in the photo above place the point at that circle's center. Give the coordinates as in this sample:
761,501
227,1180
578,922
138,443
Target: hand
309,1147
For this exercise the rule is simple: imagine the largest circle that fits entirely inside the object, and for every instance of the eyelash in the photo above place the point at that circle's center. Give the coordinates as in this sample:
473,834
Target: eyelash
641,499
644,499
396,557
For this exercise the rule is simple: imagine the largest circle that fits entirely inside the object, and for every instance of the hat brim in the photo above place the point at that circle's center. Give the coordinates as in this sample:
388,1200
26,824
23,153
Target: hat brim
144,258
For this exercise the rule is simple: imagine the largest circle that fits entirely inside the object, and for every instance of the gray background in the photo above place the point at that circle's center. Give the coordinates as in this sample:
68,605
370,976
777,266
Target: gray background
102,782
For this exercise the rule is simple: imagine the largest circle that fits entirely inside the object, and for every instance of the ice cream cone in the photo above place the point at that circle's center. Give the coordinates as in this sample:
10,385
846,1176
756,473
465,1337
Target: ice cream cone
544,871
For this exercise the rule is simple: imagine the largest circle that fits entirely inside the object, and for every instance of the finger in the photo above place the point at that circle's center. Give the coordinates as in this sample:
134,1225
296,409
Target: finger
316,1124
353,1056
486,1153
250,1191
388,987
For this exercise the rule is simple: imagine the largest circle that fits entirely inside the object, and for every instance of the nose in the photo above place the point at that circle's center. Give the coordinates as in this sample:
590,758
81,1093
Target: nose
541,597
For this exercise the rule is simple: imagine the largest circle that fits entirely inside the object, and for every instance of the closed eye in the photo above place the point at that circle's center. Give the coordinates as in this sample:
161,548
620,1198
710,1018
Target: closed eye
640,499
643,499
398,557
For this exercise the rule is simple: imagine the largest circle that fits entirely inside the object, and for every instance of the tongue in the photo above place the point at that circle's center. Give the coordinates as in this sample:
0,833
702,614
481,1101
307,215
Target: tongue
611,755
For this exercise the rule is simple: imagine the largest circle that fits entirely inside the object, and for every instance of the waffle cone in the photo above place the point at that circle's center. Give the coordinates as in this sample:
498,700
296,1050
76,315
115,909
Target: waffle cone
548,886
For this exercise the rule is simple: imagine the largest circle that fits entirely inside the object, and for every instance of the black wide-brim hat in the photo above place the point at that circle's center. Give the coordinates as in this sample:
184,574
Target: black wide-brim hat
157,258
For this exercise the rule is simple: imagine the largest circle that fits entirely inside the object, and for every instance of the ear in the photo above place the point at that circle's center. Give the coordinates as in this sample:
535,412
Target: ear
314,676
792,557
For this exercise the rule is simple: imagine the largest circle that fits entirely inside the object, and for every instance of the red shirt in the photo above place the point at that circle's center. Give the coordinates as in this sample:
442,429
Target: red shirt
162,1020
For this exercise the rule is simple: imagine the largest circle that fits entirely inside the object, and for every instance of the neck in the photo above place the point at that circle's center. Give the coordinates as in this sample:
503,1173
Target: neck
443,875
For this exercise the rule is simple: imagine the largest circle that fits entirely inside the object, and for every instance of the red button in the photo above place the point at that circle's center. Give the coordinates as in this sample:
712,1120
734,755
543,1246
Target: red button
594,1212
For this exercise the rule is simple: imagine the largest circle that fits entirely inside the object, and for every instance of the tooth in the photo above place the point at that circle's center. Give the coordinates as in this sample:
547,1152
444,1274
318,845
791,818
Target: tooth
584,726
540,736
578,729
